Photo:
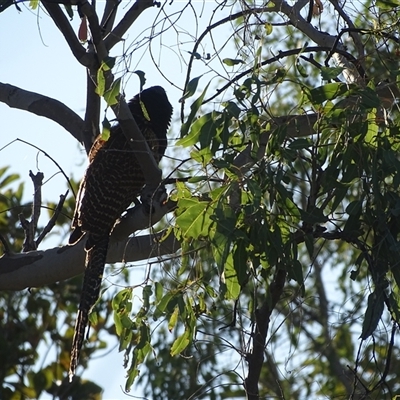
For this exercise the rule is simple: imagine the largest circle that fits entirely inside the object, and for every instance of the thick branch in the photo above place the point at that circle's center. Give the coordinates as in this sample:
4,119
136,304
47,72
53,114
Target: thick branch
92,115
263,315
40,268
43,106
65,27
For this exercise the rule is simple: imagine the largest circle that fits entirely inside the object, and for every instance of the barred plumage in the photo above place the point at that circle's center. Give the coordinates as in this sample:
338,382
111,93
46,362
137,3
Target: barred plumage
111,183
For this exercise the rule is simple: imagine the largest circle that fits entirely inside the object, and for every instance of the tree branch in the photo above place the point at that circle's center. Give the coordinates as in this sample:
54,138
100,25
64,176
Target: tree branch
65,28
263,315
40,268
43,106
92,115
126,22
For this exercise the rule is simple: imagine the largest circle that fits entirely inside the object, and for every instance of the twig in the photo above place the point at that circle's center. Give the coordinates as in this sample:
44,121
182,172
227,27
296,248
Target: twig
37,198
50,225
31,226
206,32
51,158
29,242
282,54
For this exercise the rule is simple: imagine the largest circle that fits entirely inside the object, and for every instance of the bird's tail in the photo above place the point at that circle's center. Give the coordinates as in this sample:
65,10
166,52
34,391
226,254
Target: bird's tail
96,253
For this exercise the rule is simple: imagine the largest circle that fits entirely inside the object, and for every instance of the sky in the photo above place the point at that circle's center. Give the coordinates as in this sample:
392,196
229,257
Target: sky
35,57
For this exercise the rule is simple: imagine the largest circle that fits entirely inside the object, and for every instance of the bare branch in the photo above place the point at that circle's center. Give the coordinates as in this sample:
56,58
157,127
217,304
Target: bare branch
30,226
109,14
92,115
37,198
126,22
95,30
50,225
43,106
41,268
263,314
64,26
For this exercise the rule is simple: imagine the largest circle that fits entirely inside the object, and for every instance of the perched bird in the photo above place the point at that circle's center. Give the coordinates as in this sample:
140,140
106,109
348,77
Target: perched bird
112,181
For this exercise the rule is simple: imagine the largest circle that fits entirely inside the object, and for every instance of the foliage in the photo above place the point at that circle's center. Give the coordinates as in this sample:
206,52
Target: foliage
287,211
36,325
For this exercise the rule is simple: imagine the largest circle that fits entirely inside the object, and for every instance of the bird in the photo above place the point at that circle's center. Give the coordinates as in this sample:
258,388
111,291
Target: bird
112,181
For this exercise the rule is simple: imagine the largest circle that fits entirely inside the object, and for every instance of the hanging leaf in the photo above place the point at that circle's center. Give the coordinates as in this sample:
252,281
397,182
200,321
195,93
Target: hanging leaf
191,88
231,62
373,314
83,30
112,94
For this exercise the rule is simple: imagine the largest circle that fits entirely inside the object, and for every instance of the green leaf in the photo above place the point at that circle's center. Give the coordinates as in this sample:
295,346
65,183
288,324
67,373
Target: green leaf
354,208
122,306
309,241
191,88
159,291
195,219
105,133
299,144
69,11
33,4
108,63
231,62
8,179
162,305
180,343
232,109
314,216
329,91
196,179
394,301
300,68
369,98
230,279
295,272
387,4
240,262
373,314
328,73
268,28
93,318
173,320
101,82
112,94
196,129
193,111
